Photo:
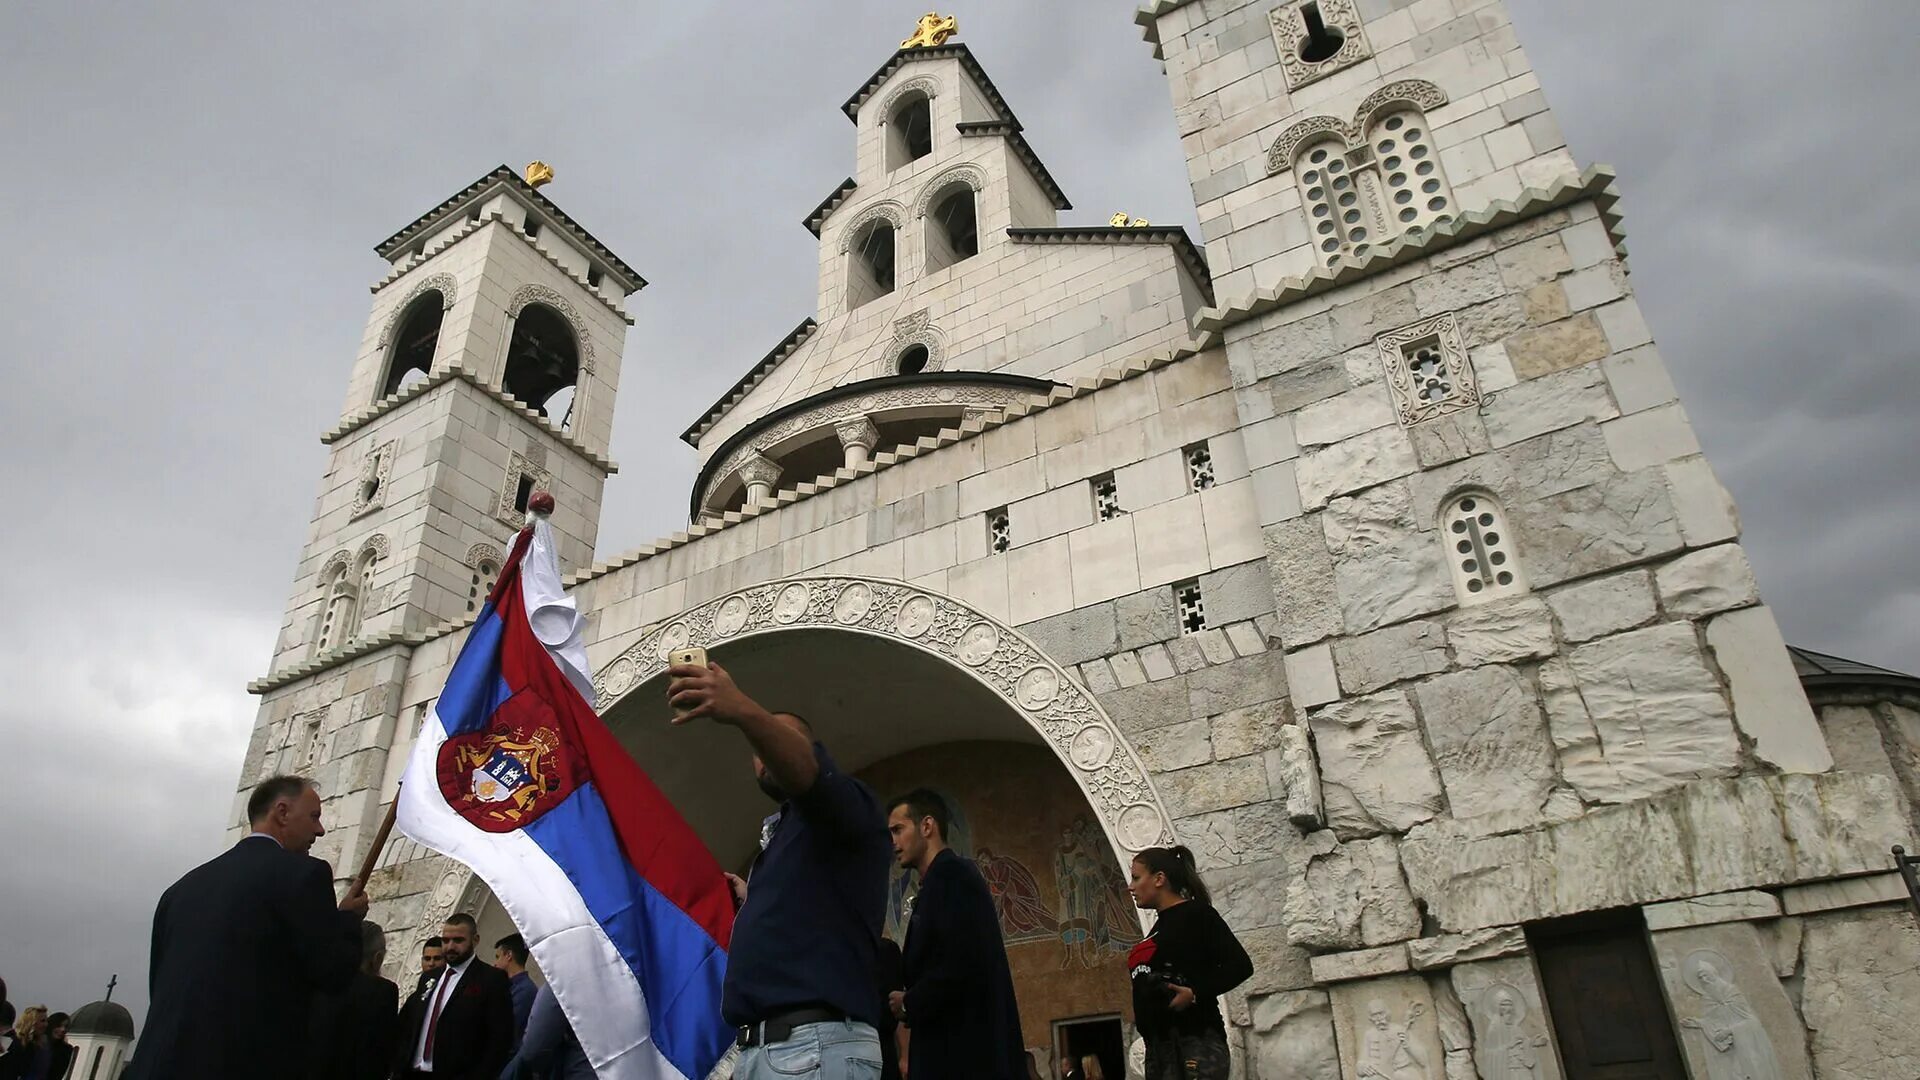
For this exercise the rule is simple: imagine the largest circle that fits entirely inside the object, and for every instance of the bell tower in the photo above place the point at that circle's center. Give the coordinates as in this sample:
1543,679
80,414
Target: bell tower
487,371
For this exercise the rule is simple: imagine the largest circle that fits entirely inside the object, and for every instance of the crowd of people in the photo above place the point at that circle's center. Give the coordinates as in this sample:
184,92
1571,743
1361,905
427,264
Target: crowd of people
252,955
33,1042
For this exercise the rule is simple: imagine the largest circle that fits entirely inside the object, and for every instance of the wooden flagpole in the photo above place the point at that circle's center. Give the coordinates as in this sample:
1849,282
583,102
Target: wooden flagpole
379,845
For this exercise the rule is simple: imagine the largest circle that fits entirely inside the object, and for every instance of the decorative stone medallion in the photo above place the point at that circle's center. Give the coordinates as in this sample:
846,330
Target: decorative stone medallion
731,616
977,644
1059,709
854,603
792,604
1037,689
916,616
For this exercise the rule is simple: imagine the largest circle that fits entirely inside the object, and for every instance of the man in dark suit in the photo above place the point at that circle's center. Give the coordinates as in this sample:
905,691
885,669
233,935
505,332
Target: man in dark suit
461,1026
353,1032
241,944
958,1004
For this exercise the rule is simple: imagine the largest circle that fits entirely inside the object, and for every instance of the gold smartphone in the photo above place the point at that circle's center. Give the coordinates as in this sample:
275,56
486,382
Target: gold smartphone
689,657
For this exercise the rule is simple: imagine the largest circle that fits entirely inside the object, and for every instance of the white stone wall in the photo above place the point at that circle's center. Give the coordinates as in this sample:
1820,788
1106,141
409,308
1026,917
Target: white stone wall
1231,100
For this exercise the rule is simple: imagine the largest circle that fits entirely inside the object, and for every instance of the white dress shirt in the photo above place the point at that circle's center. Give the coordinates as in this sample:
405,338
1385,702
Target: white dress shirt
442,992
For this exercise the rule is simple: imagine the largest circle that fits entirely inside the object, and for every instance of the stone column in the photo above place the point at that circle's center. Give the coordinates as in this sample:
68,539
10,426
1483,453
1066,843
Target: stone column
858,436
759,473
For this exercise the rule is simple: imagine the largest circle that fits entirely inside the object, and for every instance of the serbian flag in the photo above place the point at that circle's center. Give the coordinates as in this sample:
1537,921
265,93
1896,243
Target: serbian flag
514,775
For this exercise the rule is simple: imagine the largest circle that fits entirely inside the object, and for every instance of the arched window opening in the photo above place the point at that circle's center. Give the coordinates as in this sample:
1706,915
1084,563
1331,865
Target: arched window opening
953,231
340,614
870,266
1480,549
914,360
543,363
414,345
1416,196
365,590
910,131
484,575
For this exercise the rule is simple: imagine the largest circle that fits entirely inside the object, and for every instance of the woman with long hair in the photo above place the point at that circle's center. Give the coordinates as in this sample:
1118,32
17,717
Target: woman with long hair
29,1044
1181,968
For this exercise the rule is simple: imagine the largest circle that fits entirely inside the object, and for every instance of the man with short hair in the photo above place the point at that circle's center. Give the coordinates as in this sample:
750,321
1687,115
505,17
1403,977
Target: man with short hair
431,962
462,1026
243,942
958,1005
510,955
804,958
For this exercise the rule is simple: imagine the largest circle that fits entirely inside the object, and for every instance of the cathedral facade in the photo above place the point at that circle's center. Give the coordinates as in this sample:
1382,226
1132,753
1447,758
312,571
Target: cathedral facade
1364,548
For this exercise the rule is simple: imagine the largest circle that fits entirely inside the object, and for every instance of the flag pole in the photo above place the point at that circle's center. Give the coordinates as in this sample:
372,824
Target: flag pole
379,845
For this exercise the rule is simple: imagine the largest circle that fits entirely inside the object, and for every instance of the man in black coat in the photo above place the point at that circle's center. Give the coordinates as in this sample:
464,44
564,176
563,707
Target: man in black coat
353,1031
460,1027
242,943
958,1006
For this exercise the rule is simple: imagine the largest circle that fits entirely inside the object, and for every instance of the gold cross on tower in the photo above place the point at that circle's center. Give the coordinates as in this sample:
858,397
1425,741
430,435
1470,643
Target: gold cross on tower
934,29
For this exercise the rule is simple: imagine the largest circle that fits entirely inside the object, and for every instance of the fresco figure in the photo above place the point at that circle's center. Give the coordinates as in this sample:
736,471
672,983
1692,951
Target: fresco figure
1024,916
1096,917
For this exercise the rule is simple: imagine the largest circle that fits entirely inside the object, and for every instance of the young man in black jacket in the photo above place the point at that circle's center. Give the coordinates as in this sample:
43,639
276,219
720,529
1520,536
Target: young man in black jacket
958,1006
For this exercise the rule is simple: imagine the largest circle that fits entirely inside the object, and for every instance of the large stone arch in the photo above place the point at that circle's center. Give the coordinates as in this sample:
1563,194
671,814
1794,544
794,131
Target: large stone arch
1037,690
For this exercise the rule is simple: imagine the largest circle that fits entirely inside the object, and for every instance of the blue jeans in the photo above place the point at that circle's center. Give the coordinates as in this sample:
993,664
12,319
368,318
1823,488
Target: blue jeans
841,1050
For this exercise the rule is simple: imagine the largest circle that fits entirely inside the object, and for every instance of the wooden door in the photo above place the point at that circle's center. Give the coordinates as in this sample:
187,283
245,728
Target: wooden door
1609,1016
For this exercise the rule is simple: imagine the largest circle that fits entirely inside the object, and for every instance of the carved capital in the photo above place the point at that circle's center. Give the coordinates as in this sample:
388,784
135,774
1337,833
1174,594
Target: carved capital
858,431
760,469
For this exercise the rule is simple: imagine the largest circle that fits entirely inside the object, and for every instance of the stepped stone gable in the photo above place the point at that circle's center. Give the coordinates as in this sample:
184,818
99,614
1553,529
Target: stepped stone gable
1370,553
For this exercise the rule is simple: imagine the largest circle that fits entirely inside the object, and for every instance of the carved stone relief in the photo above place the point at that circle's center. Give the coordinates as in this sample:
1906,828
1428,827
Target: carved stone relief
444,284
857,431
923,84
540,294
1427,369
1733,1017
1386,1030
484,553
1509,1019
971,175
888,211
1034,687
1291,35
1417,93
370,490
518,467
917,329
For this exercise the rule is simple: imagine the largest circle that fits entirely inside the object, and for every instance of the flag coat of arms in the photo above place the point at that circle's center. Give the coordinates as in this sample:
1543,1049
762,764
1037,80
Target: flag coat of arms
514,775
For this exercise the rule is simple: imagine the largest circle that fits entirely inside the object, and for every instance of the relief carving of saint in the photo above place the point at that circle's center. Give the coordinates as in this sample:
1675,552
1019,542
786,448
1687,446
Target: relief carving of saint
1513,1047
1387,1050
1737,1044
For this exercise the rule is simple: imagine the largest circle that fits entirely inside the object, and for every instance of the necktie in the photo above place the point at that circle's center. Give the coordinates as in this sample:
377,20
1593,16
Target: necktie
433,1018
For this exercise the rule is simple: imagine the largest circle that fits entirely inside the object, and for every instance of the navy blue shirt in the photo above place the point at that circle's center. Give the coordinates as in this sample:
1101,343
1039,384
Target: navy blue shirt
809,934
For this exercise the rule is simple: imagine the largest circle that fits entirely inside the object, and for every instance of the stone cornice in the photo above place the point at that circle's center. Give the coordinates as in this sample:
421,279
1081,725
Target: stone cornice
1595,185
751,379
352,650
496,218
504,177
1148,19
1183,245
1010,130
828,205
361,417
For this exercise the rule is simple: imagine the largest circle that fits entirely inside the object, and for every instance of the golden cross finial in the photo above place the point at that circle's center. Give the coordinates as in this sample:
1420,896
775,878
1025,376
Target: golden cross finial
539,173
1122,221
933,29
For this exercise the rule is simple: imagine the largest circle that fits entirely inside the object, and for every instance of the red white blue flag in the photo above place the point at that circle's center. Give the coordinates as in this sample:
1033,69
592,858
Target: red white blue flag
514,775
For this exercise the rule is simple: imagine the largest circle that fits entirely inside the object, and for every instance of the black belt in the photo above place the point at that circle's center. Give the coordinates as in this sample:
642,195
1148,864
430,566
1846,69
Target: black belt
778,1028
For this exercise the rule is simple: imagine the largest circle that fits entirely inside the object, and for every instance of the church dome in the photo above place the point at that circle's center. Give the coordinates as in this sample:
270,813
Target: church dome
106,1019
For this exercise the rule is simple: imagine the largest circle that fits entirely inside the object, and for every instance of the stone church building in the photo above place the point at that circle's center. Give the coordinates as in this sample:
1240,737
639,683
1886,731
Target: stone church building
1363,547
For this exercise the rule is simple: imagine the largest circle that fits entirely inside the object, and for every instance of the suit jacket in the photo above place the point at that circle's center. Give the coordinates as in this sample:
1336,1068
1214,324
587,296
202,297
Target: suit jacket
960,1006
240,945
352,1034
475,1036
550,1049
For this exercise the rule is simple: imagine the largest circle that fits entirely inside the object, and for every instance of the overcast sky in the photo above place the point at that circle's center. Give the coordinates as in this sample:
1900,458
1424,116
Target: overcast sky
187,249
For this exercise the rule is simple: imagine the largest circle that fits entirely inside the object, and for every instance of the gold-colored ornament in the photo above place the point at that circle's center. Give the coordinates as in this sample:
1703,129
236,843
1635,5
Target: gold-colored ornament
539,173
1121,221
933,29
